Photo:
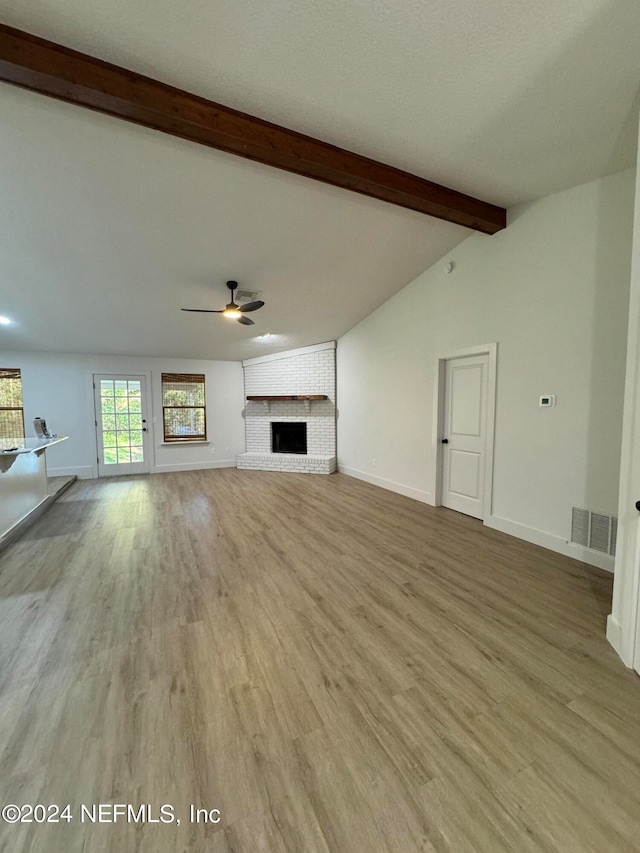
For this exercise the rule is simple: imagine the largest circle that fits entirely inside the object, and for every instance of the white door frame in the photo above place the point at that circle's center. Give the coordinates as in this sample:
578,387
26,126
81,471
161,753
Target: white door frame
623,623
148,438
490,350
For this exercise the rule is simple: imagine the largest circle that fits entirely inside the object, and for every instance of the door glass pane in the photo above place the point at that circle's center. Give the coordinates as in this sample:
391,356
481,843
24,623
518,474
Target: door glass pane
119,432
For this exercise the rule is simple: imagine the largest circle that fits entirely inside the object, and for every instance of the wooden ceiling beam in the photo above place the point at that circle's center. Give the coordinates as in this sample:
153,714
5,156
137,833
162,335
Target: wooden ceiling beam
51,69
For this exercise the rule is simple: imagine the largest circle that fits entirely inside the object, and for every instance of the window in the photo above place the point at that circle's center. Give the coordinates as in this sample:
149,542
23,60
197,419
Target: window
183,407
11,411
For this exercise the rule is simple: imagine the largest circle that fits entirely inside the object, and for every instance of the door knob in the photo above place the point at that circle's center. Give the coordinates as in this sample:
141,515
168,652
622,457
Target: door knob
638,505
446,441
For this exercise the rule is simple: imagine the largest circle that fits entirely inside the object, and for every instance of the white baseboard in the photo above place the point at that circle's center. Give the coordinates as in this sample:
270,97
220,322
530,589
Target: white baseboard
551,541
194,466
407,491
85,472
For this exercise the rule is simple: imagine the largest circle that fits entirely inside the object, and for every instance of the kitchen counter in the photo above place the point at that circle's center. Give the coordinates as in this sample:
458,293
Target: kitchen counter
23,481
15,446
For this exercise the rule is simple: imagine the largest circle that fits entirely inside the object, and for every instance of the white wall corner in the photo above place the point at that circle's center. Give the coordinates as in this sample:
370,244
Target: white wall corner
614,637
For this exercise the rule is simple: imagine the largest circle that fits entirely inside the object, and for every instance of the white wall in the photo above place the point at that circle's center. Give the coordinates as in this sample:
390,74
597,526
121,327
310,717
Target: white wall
552,291
58,387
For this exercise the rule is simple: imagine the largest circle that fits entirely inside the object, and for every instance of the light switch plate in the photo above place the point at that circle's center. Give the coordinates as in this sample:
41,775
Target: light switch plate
547,401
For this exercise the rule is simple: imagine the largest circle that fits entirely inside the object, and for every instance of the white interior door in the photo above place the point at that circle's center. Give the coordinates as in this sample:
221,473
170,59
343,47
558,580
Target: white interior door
121,424
464,434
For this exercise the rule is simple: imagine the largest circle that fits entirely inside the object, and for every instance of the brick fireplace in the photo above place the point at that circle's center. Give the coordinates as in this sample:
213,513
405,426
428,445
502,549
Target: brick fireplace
294,387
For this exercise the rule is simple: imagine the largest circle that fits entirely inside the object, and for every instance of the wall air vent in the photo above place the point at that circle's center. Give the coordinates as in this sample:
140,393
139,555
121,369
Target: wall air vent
594,530
248,295
580,526
614,536
599,533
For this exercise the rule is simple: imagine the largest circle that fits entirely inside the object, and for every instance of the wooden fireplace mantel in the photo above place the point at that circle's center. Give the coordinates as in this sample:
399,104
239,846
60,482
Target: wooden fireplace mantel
266,399
280,398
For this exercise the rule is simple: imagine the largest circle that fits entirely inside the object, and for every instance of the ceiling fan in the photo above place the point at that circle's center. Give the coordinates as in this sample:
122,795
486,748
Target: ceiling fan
233,311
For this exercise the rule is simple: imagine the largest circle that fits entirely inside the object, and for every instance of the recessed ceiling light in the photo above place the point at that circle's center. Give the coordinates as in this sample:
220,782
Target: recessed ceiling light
5,321
265,336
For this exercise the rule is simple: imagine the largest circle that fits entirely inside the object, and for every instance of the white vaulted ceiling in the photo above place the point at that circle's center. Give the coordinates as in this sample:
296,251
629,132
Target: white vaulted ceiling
106,229
112,228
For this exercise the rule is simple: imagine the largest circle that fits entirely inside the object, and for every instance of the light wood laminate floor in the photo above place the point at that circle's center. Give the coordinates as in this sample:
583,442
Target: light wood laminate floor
333,666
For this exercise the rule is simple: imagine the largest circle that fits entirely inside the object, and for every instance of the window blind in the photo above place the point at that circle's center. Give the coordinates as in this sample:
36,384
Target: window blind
11,407
183,407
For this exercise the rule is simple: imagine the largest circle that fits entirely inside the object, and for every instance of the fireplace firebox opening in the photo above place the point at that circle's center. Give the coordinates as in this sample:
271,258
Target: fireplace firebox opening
289,437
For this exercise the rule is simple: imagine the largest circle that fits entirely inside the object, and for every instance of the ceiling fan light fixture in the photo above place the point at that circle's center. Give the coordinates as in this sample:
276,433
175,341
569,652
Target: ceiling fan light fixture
232,311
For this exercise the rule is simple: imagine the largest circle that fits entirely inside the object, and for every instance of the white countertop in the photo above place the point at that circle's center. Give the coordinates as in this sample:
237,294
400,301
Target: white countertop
14,446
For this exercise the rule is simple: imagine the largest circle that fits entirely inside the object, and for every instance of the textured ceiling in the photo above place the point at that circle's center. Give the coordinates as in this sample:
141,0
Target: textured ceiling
507,101
108,229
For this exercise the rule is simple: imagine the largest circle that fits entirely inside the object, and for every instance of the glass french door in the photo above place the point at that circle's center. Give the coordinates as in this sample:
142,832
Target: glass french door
121,424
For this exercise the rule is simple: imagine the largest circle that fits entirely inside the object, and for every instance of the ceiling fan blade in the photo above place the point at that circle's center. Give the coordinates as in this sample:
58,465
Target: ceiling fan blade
202,310
246,321
251,306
